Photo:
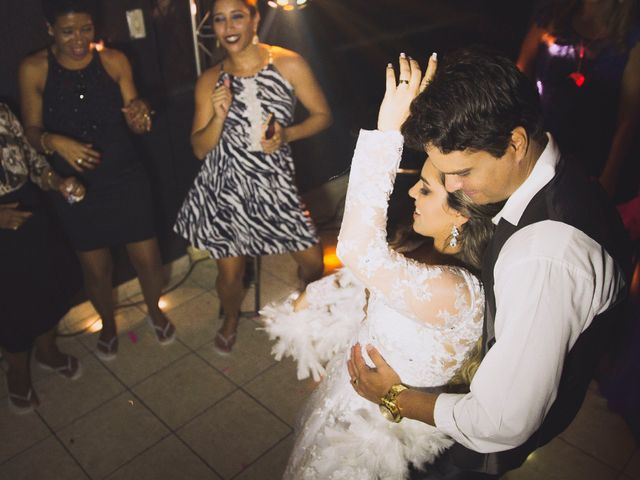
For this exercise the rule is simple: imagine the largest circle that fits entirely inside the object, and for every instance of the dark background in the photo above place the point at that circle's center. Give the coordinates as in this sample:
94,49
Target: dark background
347,43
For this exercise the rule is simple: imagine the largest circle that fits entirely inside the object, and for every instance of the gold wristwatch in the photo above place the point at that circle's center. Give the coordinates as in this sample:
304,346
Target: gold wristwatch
389,403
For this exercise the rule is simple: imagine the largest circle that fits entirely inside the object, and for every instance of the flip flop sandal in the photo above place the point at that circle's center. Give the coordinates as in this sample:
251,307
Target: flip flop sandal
65,371
110,349
18,410
161,333
222,345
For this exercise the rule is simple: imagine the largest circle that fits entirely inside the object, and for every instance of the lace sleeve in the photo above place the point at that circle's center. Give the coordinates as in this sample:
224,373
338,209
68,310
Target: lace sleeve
435,295
35,163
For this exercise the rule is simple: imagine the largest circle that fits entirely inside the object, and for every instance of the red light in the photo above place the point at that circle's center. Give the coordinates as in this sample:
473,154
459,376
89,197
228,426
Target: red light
578,78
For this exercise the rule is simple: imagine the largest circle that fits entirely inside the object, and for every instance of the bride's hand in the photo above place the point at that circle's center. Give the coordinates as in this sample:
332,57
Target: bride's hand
394,109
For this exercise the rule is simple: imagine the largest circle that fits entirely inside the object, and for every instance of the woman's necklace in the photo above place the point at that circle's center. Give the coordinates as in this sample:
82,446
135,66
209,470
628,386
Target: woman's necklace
577,76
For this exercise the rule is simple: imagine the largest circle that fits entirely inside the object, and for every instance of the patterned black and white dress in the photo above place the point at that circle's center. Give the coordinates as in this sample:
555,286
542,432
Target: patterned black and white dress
243,201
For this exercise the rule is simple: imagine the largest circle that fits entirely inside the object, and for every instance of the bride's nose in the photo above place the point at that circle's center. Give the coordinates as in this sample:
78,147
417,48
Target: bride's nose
413,191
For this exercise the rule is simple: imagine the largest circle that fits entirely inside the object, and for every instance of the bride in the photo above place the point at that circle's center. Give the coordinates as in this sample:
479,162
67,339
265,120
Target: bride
424,317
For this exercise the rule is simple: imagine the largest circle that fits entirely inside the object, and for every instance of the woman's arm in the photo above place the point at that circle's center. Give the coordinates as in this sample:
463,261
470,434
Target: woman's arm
40,172
37,166
31,77
627,123
529,49
427,293
136,110
298,73
211,108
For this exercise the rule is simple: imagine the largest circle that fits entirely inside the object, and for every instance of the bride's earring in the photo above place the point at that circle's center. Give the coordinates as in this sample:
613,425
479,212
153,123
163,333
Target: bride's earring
455,233
256,39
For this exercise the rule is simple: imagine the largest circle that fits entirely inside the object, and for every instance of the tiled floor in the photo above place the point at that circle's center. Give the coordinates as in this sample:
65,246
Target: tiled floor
183,412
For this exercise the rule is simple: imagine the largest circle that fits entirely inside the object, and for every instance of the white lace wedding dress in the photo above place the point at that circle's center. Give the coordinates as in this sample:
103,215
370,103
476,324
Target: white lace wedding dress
422,318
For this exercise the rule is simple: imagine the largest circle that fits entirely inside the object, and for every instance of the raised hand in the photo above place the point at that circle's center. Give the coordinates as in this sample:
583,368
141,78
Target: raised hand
394,109
11,218
221,99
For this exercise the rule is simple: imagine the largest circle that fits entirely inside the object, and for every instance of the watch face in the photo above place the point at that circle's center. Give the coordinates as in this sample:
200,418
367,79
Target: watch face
386,413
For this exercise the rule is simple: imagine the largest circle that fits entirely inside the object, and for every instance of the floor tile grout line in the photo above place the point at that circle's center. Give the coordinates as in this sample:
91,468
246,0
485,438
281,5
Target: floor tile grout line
181,440
263,455
177,435
174,431
53,434
64,446
225,375
589,454
144,379
635,452
11,457
170,430
161,439
127,388
266,408
171,433
238,388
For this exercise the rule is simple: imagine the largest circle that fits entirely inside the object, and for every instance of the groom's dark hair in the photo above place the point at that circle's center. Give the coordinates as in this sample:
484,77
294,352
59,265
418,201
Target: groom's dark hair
474,101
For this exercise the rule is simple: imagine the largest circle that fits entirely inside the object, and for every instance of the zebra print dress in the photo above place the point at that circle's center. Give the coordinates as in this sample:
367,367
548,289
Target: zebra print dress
243,201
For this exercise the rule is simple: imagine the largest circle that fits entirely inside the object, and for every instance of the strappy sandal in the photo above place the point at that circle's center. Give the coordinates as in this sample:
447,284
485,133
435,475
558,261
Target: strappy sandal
222,345
21,410
161,333
109,351
66,371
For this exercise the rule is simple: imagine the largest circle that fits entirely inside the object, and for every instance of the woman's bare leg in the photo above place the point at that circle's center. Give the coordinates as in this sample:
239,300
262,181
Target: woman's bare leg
48,353
145,258
310,263
97,271
230,291
19,378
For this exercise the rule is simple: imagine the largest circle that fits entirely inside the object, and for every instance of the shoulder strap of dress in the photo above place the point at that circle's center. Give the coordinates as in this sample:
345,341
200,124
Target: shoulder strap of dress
96,61
51,58
270,55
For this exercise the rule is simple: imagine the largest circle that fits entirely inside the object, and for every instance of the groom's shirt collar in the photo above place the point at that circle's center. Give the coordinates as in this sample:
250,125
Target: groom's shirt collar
542,173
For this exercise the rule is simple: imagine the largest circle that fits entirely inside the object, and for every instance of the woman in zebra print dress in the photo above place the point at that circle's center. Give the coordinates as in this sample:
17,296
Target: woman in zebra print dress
244,200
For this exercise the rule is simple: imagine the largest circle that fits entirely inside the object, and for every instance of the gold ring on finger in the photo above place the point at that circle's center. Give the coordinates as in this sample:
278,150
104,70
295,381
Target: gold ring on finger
79,161
402,80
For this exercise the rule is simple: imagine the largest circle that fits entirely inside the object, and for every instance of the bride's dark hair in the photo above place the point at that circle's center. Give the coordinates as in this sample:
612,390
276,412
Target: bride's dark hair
474,236
477,231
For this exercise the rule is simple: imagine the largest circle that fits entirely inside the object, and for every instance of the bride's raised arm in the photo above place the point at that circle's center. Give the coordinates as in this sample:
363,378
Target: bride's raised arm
431,294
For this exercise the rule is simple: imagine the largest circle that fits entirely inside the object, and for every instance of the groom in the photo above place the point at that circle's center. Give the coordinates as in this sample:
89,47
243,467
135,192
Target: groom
554,273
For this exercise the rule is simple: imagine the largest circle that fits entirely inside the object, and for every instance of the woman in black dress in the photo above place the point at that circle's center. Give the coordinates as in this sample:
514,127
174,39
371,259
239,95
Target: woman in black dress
78,105
31,293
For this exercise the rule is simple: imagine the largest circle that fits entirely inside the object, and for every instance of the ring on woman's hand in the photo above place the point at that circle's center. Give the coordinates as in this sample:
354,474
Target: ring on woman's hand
79,161
402,80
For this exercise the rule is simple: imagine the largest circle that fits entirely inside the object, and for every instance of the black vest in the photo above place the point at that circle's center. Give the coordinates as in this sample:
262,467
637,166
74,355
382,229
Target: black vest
569,198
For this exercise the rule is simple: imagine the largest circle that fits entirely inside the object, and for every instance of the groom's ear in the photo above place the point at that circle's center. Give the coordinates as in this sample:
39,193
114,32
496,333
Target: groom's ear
519,143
